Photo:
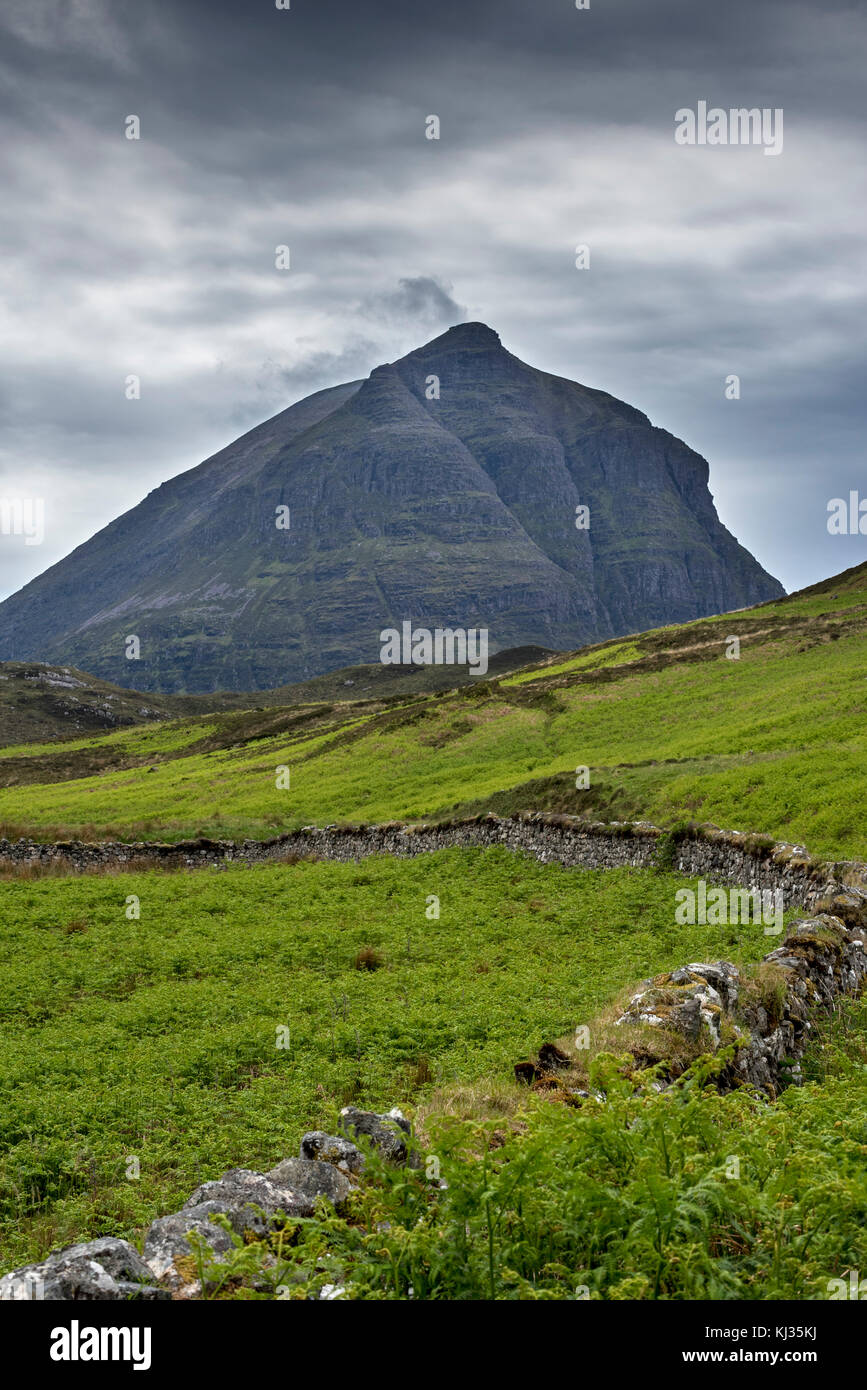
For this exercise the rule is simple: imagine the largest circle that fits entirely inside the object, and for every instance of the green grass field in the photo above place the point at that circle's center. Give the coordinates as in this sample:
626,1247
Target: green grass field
684,1195
156,1037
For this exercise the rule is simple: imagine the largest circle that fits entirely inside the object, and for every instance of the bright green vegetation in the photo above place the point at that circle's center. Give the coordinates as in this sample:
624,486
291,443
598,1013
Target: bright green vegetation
613,654
145,740
775,743
638,1198
156,1038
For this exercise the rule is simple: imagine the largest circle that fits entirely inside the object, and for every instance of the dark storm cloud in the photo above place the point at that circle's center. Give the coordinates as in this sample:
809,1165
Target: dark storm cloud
306,128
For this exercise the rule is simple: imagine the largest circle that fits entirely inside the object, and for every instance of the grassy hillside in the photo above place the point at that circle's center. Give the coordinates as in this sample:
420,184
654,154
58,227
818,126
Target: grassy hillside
41,704
669,726
148,1045
689,1195
156,1037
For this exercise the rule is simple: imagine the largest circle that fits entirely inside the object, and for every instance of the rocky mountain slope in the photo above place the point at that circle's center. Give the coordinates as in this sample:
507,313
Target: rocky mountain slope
442,490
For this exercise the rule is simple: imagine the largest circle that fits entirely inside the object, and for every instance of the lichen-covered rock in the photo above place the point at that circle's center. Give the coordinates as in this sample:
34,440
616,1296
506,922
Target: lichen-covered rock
107,1268
242,1191
720,974
333,1149
388,1133
821,958
312,1178
680,1001
166,1241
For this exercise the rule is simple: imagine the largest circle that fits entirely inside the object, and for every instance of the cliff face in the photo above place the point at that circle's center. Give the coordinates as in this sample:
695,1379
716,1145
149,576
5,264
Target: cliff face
451,511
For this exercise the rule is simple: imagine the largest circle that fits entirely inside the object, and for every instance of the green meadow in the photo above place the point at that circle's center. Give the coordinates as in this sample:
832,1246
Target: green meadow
687,1194
155,1038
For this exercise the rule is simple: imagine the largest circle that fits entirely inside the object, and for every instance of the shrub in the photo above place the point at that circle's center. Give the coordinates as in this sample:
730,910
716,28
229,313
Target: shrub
368,958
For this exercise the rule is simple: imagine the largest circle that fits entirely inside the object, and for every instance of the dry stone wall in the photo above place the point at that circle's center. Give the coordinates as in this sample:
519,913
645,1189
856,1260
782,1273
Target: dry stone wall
770,1012
730,857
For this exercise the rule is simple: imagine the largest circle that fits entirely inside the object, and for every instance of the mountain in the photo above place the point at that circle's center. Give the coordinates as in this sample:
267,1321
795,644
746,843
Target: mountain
457,510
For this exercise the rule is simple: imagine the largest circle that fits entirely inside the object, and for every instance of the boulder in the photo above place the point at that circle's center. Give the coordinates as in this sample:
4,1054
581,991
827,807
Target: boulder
685,1018
387,1133
683,1001
721,975
241,1191
166,1240
97,1269
333,1149
312,1178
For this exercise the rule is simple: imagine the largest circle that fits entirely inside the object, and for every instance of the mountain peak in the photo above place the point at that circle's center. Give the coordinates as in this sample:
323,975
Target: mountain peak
474,333
465,335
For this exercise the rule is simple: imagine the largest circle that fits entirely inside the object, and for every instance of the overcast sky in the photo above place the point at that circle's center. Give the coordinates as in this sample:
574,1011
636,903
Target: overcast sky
306,127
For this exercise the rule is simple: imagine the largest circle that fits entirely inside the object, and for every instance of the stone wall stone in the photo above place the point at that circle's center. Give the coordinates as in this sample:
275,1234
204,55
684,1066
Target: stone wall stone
731,857
772,1008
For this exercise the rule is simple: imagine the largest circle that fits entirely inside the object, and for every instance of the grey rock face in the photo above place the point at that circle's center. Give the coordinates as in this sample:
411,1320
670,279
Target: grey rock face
388,1133
312,1178
684,1002
721,975
107,1268
333,1149
821,958
240,1191
166,1240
